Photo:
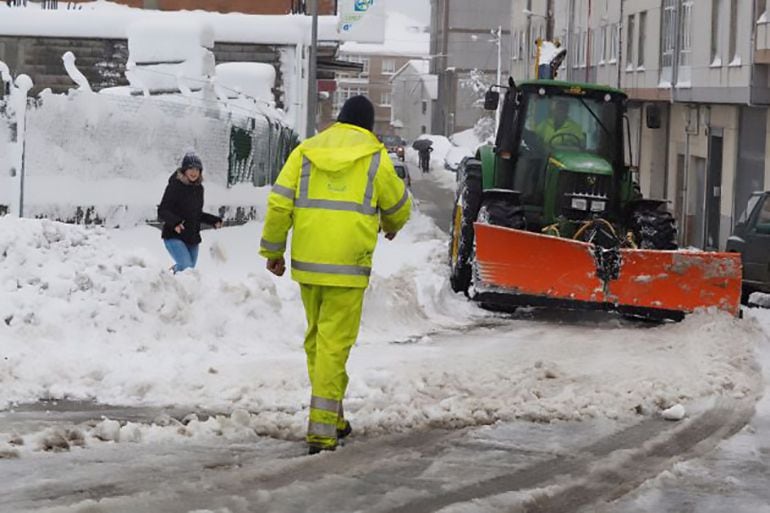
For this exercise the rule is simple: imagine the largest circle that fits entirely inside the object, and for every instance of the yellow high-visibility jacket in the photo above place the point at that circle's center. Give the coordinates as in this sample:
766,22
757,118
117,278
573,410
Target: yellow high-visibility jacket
568,132
336,190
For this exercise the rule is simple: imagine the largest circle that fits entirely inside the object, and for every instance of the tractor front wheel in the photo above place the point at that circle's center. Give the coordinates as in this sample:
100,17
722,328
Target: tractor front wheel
466,210
654,229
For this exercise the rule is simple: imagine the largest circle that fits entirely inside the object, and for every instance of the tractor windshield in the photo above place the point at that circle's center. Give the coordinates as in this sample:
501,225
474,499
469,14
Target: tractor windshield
554,123
571,123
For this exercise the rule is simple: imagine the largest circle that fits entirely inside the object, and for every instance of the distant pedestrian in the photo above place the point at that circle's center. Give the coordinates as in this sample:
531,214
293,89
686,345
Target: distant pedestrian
424,154
336,191
181,211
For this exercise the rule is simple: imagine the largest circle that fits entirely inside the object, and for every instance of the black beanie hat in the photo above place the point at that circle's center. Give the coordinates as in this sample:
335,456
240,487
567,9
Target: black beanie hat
191,160
359,111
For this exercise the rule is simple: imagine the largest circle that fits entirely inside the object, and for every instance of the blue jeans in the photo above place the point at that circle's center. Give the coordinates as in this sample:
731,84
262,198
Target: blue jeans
185,255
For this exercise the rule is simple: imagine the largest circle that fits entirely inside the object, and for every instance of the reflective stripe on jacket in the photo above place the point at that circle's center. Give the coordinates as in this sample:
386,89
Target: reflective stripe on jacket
335,191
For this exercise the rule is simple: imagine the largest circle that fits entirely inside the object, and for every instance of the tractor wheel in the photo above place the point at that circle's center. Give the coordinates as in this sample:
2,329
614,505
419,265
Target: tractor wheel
654,229
499,210
466,210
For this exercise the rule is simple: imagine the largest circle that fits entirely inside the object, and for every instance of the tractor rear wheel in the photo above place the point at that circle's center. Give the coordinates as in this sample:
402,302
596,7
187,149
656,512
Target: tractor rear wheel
466,210
654,229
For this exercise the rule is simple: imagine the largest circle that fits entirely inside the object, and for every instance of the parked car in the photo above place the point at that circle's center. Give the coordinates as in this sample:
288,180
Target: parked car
751,238
394,144
403,172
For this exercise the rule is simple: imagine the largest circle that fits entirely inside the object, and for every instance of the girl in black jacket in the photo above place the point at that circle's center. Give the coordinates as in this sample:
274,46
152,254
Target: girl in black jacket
181,211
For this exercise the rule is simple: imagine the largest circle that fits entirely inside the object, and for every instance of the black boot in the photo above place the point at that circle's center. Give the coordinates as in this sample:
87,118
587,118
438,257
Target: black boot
315,449
342,433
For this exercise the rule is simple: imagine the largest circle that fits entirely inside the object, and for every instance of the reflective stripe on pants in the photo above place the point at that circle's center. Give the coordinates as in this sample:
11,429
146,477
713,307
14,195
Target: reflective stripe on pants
333,318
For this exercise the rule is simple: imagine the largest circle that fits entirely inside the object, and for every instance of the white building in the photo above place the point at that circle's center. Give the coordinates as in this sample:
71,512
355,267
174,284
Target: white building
414,92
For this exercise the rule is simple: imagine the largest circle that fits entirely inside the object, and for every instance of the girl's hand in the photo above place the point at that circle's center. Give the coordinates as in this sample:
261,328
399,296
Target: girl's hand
179,228
218,225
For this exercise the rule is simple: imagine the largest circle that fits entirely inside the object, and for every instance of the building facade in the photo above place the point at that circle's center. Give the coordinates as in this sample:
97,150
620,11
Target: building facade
373,81
415,93
700,68
464,43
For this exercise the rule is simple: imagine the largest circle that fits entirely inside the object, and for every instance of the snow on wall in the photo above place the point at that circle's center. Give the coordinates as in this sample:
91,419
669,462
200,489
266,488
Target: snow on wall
161,54
5,179
107,158
92,137
254,79
112,21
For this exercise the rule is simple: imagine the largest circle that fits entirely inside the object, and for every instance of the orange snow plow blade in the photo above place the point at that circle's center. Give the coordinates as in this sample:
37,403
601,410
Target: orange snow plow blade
524,268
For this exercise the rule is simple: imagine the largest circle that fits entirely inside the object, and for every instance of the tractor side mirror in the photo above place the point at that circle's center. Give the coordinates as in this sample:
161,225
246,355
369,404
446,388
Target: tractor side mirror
491,100
653,116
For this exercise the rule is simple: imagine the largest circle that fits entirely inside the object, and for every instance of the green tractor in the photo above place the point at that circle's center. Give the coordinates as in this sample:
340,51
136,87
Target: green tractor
551,215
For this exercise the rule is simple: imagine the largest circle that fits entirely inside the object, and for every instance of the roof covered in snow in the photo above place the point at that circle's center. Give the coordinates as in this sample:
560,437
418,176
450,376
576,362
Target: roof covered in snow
102,19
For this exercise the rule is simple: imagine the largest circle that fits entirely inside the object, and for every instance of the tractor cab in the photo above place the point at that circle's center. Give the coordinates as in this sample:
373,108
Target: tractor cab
560,147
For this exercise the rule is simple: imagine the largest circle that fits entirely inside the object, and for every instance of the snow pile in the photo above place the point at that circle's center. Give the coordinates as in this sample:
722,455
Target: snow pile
760,299
94,313
467,139
253,79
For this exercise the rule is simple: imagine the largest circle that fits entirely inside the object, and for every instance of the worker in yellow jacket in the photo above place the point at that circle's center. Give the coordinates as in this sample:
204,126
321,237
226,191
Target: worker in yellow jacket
336,191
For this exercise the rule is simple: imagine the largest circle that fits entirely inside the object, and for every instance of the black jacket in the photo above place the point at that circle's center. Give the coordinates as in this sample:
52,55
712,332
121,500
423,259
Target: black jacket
183,202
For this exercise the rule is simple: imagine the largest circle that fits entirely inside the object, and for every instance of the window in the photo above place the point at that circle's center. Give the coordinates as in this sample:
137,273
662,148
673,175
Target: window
360,59
716,36
630,42
642,29
668,34
575,51
423,129
733,52
602,46
385,99
685,45
761,11
345,92
388,66
425,106
613,43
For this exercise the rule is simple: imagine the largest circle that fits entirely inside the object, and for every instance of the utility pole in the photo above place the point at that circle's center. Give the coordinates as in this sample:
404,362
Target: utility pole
312,79
549,15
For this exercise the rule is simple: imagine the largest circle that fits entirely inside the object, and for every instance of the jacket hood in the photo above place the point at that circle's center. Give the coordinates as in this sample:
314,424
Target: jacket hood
339,146
178,176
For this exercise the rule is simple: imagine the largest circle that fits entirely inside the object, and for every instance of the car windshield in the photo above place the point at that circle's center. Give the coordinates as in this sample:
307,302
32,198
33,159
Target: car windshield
400,171
764,213
391,140
571,122
749,208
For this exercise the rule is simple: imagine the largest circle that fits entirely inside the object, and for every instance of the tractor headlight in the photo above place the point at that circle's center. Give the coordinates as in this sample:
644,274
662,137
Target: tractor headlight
598,206
580,203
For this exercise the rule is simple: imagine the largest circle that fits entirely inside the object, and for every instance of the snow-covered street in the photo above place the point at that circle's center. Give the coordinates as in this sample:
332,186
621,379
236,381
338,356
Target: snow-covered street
454,408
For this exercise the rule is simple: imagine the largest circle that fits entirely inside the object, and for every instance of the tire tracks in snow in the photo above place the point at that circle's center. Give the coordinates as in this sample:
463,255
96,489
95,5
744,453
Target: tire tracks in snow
605,470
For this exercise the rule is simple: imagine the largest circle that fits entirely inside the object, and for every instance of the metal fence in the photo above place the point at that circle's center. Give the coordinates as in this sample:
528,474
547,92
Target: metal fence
92,137
258,151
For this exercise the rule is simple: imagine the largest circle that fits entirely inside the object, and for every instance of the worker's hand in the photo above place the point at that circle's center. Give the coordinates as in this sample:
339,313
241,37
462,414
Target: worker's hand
179,228
390,235
276,266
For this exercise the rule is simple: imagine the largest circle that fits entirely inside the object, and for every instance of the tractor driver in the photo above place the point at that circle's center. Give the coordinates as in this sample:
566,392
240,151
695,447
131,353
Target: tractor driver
558,130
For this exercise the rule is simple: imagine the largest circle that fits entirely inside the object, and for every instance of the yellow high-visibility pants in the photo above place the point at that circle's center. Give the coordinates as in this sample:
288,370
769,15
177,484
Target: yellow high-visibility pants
333,319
